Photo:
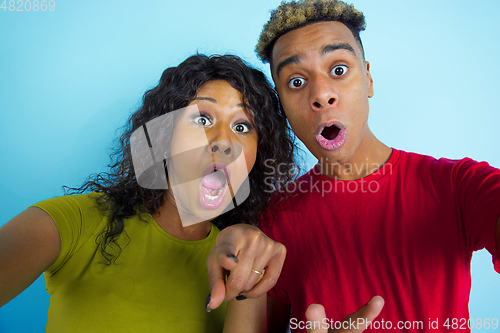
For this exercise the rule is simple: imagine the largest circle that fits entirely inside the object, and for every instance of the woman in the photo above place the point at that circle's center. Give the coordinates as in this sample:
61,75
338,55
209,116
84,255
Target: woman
132,258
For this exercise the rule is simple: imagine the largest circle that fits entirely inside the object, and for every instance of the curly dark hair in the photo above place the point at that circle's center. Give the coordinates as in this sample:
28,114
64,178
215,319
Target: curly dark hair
296,14
176,89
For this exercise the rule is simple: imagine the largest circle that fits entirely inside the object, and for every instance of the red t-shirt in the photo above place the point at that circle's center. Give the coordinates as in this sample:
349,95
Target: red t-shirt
405,232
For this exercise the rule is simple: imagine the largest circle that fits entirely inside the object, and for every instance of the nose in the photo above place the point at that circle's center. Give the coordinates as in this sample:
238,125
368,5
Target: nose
220,140
322,93
223,148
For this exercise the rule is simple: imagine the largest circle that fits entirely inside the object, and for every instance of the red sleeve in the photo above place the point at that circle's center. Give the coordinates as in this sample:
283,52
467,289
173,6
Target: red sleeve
478,193
496,262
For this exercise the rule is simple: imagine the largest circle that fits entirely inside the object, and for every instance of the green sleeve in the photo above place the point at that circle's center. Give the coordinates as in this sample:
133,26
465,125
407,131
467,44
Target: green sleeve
78,221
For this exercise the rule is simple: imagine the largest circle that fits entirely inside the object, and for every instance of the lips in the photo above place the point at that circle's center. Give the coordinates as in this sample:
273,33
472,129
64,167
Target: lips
332,135
213,185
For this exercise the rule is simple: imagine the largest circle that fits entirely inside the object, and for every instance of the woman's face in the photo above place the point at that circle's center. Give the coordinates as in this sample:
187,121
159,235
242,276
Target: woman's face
213,148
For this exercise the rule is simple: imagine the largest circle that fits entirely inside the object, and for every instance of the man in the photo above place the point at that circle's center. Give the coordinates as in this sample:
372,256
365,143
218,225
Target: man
367,219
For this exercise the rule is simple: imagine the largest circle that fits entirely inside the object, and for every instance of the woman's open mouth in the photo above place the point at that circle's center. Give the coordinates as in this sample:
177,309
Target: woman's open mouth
331,135
214,185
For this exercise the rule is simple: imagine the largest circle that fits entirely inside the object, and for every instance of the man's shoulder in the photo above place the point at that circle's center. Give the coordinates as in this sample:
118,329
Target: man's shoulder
422,160
441,170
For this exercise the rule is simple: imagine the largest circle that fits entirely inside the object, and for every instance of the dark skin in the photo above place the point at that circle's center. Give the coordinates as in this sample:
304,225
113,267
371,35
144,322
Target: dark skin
307,54
312,90
30,242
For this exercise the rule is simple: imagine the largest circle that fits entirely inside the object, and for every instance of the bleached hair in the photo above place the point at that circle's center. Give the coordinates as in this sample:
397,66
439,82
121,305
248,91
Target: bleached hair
296,14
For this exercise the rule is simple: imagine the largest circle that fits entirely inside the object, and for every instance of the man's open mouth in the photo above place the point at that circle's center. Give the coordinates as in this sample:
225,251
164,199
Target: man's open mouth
213,185
331,135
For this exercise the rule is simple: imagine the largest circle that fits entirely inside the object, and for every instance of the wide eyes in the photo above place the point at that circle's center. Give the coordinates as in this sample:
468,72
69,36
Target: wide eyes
296,82
205,121
339,70
242,127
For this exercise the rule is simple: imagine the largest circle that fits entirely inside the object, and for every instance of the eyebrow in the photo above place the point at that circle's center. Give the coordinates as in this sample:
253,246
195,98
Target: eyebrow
334,47
295,59
213,100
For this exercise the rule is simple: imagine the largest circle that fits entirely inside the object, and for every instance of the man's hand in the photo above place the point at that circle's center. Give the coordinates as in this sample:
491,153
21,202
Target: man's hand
365,315
253,260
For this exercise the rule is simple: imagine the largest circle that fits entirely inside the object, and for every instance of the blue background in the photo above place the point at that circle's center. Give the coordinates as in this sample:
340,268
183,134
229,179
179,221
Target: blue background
69,78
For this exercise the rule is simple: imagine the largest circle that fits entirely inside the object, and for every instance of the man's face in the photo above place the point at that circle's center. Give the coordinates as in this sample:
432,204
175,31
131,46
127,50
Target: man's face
324,84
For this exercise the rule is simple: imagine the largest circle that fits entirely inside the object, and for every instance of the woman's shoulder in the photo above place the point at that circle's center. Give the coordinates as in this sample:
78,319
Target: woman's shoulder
74,205
78,218
71,199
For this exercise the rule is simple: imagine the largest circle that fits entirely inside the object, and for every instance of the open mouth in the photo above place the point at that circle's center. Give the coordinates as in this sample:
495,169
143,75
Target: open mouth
331,135
213,186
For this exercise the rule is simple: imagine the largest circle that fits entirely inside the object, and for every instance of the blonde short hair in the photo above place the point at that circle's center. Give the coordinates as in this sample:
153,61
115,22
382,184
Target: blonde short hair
296,14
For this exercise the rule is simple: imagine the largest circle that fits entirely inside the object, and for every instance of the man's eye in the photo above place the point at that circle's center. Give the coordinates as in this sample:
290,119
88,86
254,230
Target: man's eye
202,120
338,70
242,127
296,82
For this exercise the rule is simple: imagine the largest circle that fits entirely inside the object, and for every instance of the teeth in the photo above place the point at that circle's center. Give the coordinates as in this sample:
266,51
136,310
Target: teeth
212,198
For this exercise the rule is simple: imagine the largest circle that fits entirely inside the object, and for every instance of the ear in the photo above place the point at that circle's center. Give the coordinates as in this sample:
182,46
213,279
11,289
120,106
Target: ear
369,79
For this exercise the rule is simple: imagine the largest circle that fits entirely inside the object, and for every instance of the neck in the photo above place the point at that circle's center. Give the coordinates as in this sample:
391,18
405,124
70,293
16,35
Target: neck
168,218
370,156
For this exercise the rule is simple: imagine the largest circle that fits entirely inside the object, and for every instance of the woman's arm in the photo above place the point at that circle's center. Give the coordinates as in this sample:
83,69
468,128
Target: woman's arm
278,315
257,315
29,245
244,251
246,316
250,316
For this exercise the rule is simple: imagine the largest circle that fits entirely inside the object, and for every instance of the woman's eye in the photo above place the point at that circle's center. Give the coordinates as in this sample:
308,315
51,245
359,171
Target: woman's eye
338,70
242,128
296,82
202,120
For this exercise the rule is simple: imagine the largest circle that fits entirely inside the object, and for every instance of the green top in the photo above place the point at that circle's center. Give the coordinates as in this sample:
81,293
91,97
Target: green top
158,283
